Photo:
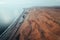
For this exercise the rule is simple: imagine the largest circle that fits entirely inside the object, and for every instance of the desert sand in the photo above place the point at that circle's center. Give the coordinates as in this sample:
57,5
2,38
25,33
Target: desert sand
41,24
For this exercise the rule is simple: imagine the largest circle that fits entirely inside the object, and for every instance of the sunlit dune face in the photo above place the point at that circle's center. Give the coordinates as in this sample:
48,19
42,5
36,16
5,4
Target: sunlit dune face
41,24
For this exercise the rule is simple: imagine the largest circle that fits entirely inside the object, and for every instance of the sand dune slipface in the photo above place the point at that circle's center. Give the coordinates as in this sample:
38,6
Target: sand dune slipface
41,24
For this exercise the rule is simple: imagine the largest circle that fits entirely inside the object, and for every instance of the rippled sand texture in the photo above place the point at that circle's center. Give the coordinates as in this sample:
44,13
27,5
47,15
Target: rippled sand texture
41,24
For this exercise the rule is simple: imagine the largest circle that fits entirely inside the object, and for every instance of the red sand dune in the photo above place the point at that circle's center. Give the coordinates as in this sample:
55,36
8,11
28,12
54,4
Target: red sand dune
41,24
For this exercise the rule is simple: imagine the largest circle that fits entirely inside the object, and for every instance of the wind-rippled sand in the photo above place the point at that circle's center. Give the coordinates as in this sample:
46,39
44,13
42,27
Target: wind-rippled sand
41,24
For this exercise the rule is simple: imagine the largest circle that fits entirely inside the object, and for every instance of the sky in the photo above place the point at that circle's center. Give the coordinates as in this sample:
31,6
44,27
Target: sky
29,3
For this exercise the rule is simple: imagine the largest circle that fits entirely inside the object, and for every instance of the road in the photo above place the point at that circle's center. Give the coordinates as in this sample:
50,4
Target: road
12,29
